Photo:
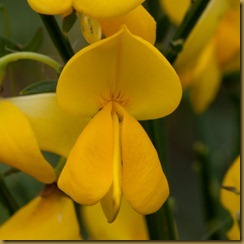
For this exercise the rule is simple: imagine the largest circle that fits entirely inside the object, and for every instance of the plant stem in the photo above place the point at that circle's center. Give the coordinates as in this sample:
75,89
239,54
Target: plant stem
12,57
209,189
5,60
161,224
193,14
5,20
59,40
59,167
153,8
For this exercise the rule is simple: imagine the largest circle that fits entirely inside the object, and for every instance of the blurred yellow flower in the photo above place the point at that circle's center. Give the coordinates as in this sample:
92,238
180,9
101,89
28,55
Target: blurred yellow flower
128,225
116,81
230,197
95,8
50,216
175,9
212,48
55,131
97,14
33,123
18,145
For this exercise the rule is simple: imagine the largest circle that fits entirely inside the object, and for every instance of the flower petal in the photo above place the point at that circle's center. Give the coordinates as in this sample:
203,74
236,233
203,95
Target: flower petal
129,225
228,38
231,200
112,200
123,68
87,175
51,7
44,218
144,184
55,131
105,9
206,79
91,29
19,147
138,21
201,34
175,9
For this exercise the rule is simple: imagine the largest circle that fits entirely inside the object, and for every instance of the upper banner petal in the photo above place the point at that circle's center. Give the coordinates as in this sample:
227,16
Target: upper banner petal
122,68
19,147
55,131
88,172
105,9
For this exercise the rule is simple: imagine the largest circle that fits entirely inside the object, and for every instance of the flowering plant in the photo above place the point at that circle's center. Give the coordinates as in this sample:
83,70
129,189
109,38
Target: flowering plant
112,124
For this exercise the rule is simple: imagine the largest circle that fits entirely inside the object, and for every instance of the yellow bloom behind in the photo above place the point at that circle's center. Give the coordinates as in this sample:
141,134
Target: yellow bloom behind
50,216
33,123
54,130
211,49
94,8
18,145
230,198
110,14
116,80
129,225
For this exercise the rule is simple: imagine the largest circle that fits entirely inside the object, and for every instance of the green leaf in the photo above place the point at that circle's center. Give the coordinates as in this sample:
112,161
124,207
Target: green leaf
8,46
35,41
68,21
40,87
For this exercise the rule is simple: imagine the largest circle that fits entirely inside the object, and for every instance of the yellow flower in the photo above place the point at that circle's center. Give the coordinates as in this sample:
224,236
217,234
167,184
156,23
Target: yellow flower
95,8
230,197
128,225
18,145
212,48
33,123
175,9
50,216
110,15
117,80
54,130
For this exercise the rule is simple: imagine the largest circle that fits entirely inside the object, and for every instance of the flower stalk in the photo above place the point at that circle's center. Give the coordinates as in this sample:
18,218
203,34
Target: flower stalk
60,41
161,224
12,57
184,29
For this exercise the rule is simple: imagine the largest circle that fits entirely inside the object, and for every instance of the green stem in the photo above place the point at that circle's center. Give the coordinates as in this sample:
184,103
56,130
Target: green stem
209,188
59,40
78,212
153,8
6,196
184,29
161,224
5,20
60,166
12,57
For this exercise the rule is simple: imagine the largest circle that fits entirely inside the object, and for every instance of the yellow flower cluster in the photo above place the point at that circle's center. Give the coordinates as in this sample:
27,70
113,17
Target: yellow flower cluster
92,121
211,50
109,167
